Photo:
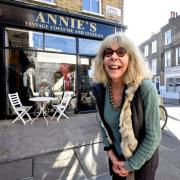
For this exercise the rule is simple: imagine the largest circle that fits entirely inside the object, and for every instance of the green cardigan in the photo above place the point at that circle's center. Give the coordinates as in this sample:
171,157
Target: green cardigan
152,135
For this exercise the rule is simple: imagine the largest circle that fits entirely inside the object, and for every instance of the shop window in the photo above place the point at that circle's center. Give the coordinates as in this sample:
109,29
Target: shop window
178,56
170,84
35,40
154,46
27,69
167,58
86,71
168,37
92,6
177,84
60,43
173,84
20,38
88,47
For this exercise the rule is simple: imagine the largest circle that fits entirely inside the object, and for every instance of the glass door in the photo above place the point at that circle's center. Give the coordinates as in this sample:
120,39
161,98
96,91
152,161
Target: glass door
86,72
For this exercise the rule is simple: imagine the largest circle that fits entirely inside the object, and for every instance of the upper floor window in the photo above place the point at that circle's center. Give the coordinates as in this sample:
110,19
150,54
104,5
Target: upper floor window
93,6
178,56
168,58
154,66
154,46
146,50
168,37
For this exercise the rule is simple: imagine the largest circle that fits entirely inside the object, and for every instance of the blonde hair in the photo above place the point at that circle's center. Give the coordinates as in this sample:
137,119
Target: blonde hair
137,70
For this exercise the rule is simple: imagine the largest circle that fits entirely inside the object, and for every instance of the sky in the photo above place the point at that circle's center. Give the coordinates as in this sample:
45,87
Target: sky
144,17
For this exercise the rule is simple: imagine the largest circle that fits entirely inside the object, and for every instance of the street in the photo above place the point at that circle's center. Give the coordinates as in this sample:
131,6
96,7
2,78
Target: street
73,149
169,165
173,123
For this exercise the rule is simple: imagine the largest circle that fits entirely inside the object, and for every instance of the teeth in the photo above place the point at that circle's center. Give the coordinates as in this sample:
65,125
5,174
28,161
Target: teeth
114,67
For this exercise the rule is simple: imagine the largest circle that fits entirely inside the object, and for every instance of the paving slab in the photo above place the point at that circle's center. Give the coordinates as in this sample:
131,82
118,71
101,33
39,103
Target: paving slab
93,159
105,176
19,169
167,171
19,141
172,157
169,141
60,165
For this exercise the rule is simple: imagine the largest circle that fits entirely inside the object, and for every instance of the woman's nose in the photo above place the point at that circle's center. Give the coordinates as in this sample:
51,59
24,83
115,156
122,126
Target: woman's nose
114,56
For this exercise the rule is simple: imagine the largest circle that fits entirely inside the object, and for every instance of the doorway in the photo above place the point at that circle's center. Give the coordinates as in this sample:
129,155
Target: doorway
86,100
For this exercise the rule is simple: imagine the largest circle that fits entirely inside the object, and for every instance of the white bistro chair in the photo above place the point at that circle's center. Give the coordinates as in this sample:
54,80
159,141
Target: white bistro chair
60,108
19,109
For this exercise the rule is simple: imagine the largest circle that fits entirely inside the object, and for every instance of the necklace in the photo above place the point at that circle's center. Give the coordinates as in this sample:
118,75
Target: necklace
115,105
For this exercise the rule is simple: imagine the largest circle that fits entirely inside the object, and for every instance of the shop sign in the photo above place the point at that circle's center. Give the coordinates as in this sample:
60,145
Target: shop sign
53,22
113,11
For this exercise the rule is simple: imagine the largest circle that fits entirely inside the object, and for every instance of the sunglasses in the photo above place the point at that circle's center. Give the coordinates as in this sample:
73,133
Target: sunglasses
120,52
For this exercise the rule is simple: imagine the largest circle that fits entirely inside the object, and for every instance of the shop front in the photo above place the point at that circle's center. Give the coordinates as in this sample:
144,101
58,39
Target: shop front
41,44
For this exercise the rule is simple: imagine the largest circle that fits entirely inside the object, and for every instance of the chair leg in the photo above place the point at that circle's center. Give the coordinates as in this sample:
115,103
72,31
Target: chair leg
19,117
54,115
63,114
16,119
30,119
60,114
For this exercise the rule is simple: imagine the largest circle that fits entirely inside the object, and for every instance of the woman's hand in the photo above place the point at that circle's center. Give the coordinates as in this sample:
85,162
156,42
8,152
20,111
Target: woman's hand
118,168
117,165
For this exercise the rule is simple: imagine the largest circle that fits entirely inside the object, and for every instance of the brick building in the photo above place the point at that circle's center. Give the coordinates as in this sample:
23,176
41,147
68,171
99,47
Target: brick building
162,54
54,40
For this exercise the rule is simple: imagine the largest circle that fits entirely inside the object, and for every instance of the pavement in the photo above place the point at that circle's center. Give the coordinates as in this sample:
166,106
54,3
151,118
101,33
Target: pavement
72,149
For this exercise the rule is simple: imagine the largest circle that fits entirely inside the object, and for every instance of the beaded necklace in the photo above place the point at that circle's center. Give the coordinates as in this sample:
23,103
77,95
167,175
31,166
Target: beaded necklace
115,105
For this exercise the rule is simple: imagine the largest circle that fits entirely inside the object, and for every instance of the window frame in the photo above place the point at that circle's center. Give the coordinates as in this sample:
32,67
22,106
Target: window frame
167,57
178,56
90,10
154,46
154,66
168,37
146,50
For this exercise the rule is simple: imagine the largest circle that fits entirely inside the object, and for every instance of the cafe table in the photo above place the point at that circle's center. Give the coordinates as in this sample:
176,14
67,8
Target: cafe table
42,106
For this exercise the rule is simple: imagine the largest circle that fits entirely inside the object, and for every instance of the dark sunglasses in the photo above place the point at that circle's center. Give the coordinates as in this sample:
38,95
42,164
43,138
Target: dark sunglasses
120,52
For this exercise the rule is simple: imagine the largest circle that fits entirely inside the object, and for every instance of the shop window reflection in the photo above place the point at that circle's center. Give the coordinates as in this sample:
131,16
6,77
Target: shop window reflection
64,78
86,98
173,84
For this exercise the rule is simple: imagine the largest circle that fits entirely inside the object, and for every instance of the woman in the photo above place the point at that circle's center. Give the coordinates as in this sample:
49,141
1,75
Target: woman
127,104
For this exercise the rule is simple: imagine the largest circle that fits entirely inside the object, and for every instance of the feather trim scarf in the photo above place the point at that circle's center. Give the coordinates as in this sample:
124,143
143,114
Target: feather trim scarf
128,139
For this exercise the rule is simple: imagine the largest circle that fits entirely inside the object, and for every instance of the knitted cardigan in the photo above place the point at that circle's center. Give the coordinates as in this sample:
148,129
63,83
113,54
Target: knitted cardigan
137,115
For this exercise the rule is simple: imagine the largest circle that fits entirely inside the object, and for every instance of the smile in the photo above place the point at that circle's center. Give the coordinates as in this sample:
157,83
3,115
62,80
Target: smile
114,67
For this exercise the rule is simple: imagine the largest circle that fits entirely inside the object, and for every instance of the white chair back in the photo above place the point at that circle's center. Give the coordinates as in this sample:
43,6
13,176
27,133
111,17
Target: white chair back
66,98
19,109
15,101
60,108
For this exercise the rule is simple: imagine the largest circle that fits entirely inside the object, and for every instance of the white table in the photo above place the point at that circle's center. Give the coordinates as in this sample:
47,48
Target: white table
42,104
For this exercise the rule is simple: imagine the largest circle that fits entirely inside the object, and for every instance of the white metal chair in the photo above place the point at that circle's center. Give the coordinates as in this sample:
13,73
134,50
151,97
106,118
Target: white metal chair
19,109
60,108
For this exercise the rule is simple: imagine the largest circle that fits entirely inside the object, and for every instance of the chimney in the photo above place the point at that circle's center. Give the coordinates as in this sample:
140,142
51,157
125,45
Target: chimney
174,14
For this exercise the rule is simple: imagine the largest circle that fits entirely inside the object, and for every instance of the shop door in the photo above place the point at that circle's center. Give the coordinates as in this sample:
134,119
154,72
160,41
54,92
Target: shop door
85,95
